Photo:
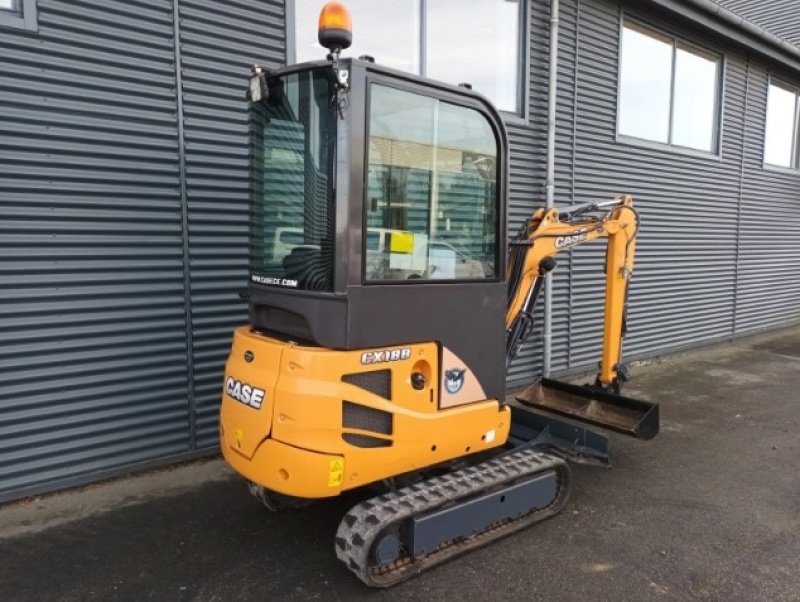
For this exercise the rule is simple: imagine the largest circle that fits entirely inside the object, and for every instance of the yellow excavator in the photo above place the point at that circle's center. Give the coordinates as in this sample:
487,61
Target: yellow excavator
385,308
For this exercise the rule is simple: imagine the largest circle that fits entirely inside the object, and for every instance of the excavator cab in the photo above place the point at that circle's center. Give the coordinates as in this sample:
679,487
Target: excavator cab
377,214
384,309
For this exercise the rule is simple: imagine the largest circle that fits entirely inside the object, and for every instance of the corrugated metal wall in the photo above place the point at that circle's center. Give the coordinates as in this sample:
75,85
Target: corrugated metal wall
219,43
91,305
528,140
684,284
93,314
779,17
527,161
710,262
768,274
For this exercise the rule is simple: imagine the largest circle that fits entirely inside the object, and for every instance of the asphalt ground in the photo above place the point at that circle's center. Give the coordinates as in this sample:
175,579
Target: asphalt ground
709,510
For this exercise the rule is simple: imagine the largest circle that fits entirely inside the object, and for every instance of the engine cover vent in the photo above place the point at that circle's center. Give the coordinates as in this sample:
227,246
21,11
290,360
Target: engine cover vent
378,382
355,416
365,440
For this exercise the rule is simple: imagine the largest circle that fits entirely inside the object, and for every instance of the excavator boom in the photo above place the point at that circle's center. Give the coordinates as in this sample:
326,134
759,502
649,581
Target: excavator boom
531,259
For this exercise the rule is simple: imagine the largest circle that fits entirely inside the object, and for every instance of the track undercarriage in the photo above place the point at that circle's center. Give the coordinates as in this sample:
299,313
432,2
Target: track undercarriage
392,537
455,508
395,536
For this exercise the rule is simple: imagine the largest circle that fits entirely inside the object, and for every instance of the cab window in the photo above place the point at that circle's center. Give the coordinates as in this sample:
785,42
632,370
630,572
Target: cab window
431,206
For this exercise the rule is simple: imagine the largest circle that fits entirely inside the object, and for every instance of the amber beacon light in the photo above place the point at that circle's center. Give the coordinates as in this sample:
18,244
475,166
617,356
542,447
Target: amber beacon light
335,27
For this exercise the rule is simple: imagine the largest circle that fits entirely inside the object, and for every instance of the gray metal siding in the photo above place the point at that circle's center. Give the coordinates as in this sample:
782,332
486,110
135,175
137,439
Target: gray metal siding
779,17
768,284
91,308
219,43
528,142
93,327
527,173
709,265
683,289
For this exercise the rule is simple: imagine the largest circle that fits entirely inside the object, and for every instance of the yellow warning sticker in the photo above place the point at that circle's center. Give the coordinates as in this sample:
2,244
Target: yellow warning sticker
402,242
336,472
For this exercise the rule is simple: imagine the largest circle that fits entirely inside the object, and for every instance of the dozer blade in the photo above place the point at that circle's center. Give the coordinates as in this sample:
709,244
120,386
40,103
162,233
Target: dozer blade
594,406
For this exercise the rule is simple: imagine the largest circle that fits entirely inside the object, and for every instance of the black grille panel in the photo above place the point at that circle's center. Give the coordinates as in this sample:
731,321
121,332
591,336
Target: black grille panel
365,440
355,416
378,382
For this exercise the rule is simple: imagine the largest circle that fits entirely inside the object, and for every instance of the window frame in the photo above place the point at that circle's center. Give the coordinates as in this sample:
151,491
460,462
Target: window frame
520,116
677,42
795,155
442,96
24,17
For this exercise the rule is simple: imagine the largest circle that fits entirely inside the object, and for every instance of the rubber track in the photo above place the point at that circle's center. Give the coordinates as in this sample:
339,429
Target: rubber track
364,523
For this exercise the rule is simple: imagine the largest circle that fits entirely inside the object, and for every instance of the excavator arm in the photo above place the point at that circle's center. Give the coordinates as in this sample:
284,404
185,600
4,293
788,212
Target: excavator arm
531,258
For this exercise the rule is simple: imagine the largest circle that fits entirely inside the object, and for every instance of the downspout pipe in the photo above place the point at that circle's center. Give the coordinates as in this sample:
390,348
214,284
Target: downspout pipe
550,190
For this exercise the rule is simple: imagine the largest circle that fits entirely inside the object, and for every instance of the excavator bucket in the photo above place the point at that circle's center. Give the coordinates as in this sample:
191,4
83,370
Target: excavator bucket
593,405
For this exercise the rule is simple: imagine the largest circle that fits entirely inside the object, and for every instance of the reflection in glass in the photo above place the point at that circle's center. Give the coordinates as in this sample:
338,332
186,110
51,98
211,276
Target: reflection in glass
431,190
292,133
695,101
646,73
781,126
476,42
387,31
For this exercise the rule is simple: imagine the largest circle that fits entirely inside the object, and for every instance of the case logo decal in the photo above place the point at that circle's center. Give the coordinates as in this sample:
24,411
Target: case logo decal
569,240
242,392
454,380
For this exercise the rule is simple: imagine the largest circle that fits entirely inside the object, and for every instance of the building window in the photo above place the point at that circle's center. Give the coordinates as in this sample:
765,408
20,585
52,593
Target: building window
780,139
19,14
669,90
480,45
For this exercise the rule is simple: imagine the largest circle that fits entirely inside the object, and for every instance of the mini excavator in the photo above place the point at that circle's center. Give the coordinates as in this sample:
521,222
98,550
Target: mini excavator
384,312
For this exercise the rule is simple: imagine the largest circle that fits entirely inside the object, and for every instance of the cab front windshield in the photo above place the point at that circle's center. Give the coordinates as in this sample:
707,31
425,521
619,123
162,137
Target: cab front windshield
292,138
